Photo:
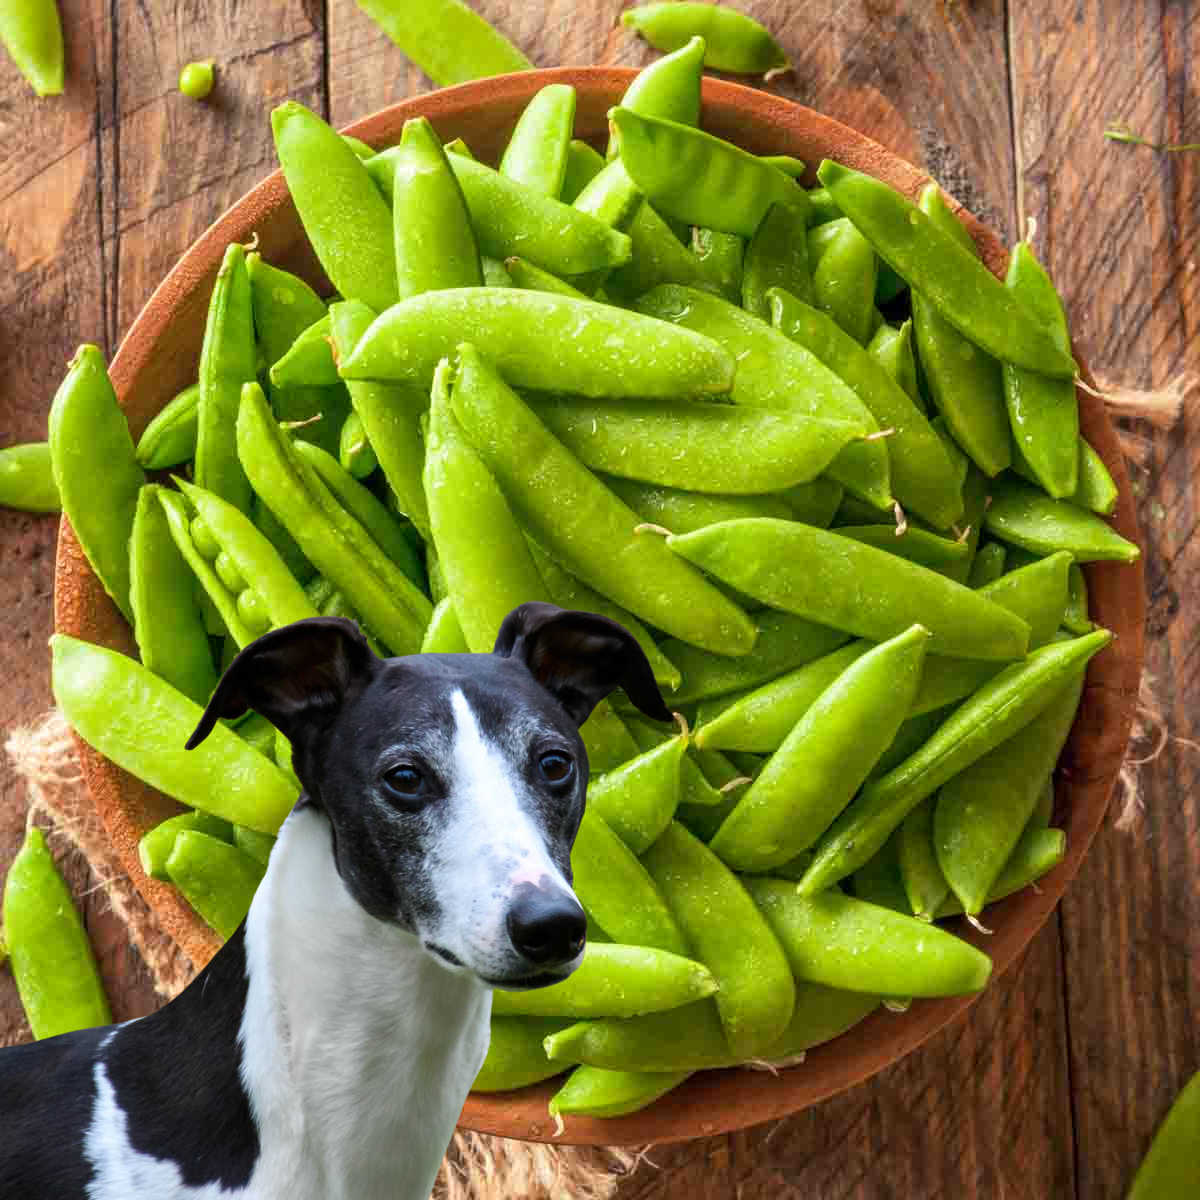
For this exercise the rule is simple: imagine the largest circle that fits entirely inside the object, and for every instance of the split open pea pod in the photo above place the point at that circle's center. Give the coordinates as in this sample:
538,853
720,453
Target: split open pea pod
596,1092
639,798
516,1056
728,935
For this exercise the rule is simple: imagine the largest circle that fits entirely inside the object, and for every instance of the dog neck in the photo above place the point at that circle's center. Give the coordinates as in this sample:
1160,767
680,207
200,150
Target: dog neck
358,1047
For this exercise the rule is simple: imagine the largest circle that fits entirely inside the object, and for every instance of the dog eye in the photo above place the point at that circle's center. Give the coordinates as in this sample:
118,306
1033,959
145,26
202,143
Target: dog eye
405,781
555,767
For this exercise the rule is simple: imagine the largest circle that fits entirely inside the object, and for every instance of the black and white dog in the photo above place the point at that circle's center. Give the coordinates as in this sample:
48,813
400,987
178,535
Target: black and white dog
325,1052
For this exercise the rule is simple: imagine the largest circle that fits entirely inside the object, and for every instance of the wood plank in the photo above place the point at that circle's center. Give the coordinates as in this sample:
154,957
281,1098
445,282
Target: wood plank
1118,227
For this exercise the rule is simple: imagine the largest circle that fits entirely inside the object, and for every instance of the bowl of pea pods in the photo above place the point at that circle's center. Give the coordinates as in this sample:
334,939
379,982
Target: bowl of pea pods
720,368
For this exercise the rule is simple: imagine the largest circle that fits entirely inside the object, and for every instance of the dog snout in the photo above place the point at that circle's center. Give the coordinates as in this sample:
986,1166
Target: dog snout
546,925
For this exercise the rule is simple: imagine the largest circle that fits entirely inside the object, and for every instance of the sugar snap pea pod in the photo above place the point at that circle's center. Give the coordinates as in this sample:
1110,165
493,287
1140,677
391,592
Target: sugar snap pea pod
759,720
48,948
583,164
723,257
536,154
735,450
1096,489
777,256
613,980
924,884
309,361
824,577
808,780
734,42
975,501
821,208
270,527
775,372
813,503
994,713
360,502
610,197
668,88
333,539
354,450
1038,852
568,592
581,523
682,511
1024,516
224,776
487,576
1043,412
913,733
172,641
695,177
31,32
95,469
720,772
757,994
526,275
981,812
447,39
784,642
922,473
658,257
915,545
495,274
608,742
218,880
953,280
638,799
434,242
844,943
843,281
156,844
595,1092
988,565
170,438
516,1056
1170,1170
544,342
695,789
257,845
617,891
346,219
1075,615
444,635
27,478
892,348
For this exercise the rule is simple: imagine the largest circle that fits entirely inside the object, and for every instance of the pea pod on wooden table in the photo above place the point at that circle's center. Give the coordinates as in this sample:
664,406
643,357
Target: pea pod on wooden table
27,478
536,154
48,948
735,42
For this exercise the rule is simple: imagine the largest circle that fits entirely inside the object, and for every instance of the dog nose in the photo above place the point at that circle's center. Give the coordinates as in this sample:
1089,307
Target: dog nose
546,926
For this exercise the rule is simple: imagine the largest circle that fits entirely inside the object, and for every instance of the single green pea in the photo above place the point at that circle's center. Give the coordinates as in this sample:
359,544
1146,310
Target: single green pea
196,80
734,42
218,880
253,611
155,845
27,478
536,154
638,799
595,1092
515,1056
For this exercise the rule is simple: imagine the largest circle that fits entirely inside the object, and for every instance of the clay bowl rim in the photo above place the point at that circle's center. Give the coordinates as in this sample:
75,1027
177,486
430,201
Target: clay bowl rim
713,1101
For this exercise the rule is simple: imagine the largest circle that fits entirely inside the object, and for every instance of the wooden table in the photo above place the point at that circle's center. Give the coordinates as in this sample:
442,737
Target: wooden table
1053,1084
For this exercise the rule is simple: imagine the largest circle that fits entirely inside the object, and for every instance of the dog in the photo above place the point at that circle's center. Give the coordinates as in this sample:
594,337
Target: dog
326,1050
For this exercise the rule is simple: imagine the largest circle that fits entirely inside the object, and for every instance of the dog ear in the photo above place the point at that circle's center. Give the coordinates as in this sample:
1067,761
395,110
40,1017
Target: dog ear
290,674
579,658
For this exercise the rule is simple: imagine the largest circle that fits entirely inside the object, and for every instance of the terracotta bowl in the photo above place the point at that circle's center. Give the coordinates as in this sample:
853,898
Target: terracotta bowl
159,356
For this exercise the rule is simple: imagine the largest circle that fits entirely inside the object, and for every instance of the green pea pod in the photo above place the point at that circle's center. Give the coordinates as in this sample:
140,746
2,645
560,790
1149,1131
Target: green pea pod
1038,852
1075,616
1170,1170
526,275
821,208
682,511
566,591
1024,516
812,503
218,880
756,995
913,733
658,257
982,811
695,789
988,566
390,414
257,845
843,943
1096,489
515,1056
878,880
27,478
612,199
270,527
170,438
444,634
343,214
447,39
595,1092
777,257
668,88
775,372
807,782
309,360
823,577
952,279
536,154
544,342
96,470
994,713
581,523
156,844
333,539
48,948
722,256
915,545
167,623
639,798
613,981
924,884
354,450
608,742
31,31
843,282
784,643
618,892
760,719
583,165
740,451
975,502
893,350
224,776
922,474
697,178
1044,412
